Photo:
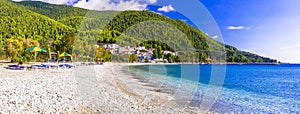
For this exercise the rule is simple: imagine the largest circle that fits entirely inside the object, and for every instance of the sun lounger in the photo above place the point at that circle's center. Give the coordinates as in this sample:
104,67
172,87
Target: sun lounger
66,66
16,67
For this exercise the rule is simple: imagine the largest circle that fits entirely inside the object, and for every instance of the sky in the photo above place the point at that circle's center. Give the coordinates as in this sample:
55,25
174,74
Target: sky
267,27
270,28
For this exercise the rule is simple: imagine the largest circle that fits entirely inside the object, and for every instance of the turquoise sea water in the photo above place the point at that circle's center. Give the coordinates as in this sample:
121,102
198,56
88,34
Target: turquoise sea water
245,88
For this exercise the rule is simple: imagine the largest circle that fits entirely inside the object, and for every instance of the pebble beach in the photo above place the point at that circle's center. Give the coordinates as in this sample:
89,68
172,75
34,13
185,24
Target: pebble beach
84,89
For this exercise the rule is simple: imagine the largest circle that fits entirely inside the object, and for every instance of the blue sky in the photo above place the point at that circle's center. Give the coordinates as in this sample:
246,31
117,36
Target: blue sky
270,28
266,27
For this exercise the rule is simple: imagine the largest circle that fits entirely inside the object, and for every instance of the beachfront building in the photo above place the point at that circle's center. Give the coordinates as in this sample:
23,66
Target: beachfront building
143,54
113,48
170,52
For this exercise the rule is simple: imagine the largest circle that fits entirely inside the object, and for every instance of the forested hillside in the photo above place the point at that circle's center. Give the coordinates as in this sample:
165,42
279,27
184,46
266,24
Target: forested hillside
19,22
139,26
76,30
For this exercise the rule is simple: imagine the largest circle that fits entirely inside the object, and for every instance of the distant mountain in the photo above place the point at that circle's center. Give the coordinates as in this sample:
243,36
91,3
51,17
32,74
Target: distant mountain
62,23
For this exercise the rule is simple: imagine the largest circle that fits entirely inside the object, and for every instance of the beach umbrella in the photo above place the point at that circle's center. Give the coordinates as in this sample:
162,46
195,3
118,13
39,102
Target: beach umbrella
35,49
64,54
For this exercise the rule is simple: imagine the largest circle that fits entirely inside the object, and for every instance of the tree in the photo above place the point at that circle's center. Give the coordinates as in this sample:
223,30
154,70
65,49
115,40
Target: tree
202,57
133,58
1,47
169,57
102,54
159,53
65,44
259,60
230,59
15,49
242,59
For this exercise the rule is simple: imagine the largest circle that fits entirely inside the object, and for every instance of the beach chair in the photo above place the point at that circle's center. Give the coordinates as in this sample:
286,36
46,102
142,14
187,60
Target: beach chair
66,66
16,67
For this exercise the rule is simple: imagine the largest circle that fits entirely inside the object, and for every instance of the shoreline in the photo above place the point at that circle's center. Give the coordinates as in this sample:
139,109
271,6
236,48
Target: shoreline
84,89
2,64
141,64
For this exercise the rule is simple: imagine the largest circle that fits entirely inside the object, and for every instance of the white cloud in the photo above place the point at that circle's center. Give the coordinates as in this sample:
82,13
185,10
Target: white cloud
184,20
168,8
237,27
215,37
108,5
105,4
158,13
152,1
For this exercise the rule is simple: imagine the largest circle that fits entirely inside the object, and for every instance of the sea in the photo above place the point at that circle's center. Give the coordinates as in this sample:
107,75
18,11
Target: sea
228,88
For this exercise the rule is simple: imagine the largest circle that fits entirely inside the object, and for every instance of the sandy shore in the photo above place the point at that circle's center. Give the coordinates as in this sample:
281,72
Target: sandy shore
86,89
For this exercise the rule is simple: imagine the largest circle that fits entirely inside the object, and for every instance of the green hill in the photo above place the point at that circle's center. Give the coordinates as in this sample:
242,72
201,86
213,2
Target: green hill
59,26
157,27
18,22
